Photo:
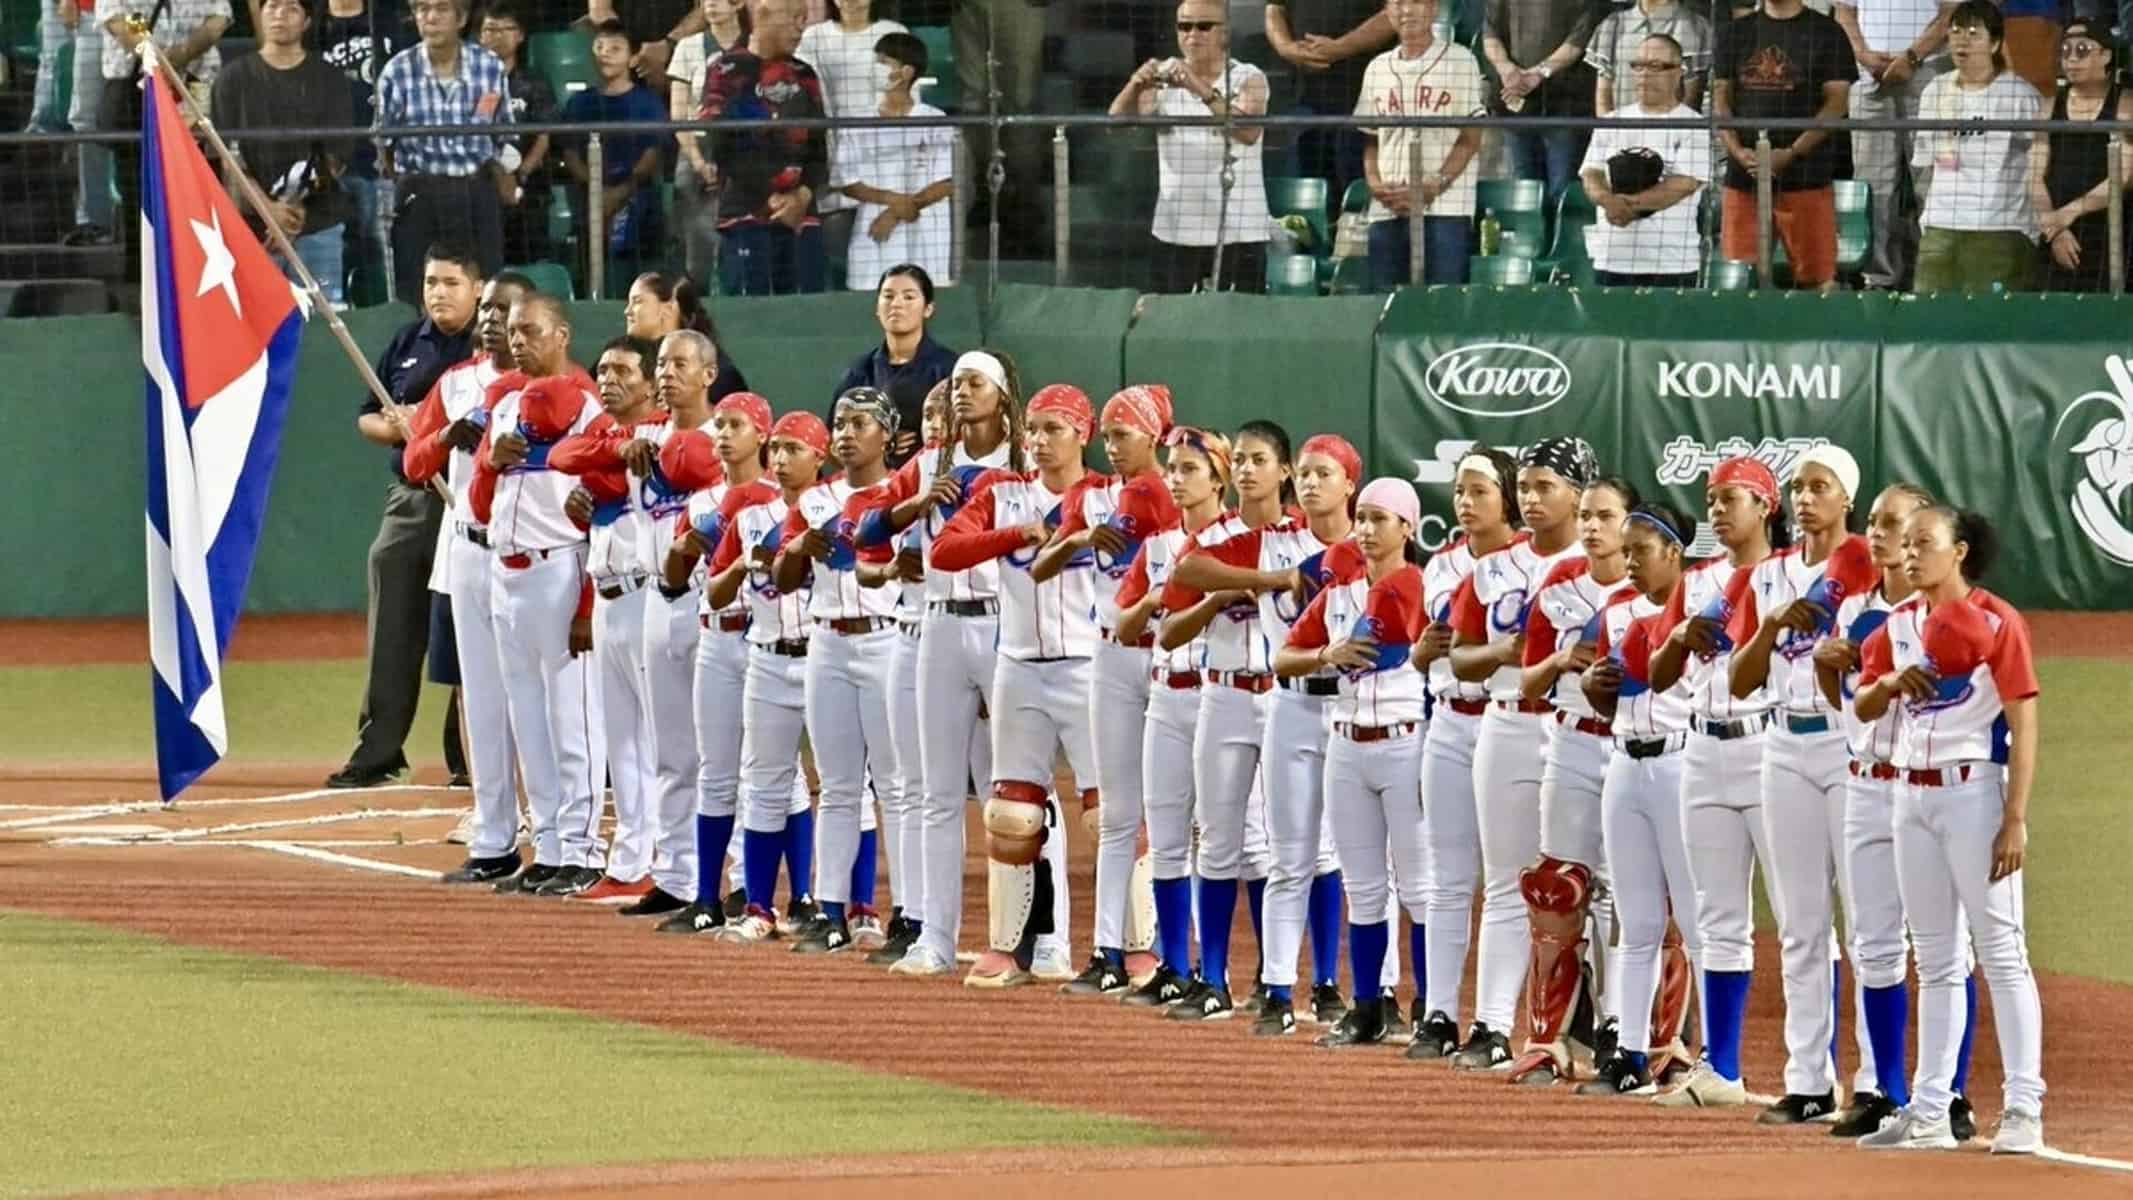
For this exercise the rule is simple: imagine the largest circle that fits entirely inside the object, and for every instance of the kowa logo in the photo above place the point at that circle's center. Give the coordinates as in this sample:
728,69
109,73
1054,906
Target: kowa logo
1497,379
1750,381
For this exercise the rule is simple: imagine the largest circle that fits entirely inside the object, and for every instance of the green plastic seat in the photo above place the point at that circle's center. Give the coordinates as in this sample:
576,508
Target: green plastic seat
1517,203
1304,197
946,88
1291,275
1721,275
1499,271
1350,276
1515,243
551,277
1569,260
1357,198
564,59
1855,224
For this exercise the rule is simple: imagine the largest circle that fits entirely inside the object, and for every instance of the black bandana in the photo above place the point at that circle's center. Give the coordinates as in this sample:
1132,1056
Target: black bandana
1569,457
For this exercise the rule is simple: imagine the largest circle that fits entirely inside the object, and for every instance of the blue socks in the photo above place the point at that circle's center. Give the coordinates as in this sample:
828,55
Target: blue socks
1418,956
833,909
865,867
800,853
1255,900
1727,1004
1324,915
759,864
1218,909
713,835
1639,1060
1173,924
1112,955
1280,993
1888,1015
1962,1059
1366,956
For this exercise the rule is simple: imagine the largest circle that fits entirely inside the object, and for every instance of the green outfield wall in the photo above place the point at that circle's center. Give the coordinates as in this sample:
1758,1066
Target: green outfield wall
2021,406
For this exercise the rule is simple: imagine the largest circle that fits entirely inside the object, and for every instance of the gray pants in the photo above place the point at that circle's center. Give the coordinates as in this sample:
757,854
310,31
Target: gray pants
1881,160
400,561
696,224
93,200
1014,29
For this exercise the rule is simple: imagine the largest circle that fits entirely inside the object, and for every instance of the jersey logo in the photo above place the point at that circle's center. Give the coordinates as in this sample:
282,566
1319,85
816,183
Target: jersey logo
537,450
760,581
658,497
1509,612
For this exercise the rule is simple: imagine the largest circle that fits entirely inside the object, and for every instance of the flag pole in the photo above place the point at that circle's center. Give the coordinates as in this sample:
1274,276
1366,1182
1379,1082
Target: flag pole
256,200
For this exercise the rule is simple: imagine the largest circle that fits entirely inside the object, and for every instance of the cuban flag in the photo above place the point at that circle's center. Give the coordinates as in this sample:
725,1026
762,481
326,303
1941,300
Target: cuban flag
219,335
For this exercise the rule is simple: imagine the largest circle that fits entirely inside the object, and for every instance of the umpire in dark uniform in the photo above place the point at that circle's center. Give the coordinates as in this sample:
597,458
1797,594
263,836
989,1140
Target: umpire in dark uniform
406,545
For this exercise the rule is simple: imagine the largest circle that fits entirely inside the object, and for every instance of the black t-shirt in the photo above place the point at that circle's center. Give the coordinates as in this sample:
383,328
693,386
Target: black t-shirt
346,43
252,94
1333,90
1778,69
533,101
650,20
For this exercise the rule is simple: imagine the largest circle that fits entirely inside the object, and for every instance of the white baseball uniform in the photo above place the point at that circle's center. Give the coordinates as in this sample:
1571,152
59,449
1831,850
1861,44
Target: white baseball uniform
671,629
1873,918
721,671
1450,825
773,691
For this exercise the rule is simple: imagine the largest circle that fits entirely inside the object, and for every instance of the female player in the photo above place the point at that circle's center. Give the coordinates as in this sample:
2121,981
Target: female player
1374,757
1721,792
1786,605
1559,888
1215,590
660,304
1197,470
1041,681
1108,524
1489,620
1484,503
1640,814
1306,869
1954,663
851,642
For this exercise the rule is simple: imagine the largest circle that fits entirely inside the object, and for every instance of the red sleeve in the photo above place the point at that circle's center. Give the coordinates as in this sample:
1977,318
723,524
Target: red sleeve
729,548
1637,643
426,454
1239,551
1134,587
1395,603
592,449
1875,658
1344,561
1176,596
585,600
1740,602
481,494
1468,620
1071,518
2014,672
856,508
1540,637
969,538
1309,631
1675,612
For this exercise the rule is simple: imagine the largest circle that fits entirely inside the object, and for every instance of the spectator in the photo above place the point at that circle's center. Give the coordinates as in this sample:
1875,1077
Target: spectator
1538,50
56,22
2067,184
1620,38
1011,34
1192,216
1783,60
1900,47
445,187
92,166
901,178
1643,180
908,362
406,545
186,32
359,38
284,86
1423,76
696,177
2033,35
661,304
771,239
654,27
1330,43
1979,229
524,191
842,52
633,228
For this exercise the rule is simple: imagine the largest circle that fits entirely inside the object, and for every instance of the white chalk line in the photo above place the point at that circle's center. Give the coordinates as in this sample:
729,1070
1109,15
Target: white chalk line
2084,1160
54,815
169,836
314,854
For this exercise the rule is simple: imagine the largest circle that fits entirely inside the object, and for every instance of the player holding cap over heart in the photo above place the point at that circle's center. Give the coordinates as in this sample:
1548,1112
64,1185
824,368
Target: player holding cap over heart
1954,664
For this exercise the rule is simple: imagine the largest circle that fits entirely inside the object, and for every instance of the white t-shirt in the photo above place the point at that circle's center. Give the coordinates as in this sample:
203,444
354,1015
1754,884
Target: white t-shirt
1444,81
1666,242
845,61
1890,26
1980,178
1189,165
692,59
906,161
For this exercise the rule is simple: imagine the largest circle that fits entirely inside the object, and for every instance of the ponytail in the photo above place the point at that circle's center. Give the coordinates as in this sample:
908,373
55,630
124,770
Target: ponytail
1976,532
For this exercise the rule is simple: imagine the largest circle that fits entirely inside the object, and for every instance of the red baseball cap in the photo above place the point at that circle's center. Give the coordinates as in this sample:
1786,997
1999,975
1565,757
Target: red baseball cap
1958,639
548,407
1144,507
690,461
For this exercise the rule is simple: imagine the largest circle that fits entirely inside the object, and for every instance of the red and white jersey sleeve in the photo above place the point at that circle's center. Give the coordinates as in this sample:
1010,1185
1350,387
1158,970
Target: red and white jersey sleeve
1709,680
727,501
462,389
527,511
1773,585
915,478
774,616
618,535
1875,742
1446,572
1283,547
1045,620
1567,601
1968,721
1151,573
1088,504
1496,606
1395,694
834,593
656,505
1235,639
1629,631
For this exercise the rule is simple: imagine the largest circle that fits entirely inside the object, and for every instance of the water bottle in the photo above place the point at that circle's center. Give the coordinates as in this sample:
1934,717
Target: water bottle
1491,233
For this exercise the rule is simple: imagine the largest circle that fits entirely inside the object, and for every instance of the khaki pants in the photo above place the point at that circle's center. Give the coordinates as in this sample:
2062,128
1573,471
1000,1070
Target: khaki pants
1972,261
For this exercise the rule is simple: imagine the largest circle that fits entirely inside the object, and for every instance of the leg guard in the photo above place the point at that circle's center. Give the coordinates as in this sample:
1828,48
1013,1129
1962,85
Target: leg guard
1557,894
1140,904
1015,819
1670,1005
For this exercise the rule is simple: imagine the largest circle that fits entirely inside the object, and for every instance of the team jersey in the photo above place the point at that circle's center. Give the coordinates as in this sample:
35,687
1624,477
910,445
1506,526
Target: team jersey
1150,573
1568,600
710,512
1390,613
616,539
1053,619
658,502
462,389
835,507
1967,721
774,616
1767,589
1641,714
1442,577
523,505
1703,590
915,478
1237,640
1093,502
1875,742
1494,603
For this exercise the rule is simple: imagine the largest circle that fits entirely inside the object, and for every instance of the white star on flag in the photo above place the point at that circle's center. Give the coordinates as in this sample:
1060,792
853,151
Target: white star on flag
221,268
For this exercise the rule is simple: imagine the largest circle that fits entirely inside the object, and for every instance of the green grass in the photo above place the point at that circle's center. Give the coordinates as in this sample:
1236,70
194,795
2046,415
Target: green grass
135,1063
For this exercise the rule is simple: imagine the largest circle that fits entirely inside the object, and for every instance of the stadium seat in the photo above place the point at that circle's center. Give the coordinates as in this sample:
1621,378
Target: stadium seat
1569,260
1350,276
1722,276
1517,204
1499,271
1855,225
1517,244
563,59
946,88
1291,275
552,278
1304,197
1357,198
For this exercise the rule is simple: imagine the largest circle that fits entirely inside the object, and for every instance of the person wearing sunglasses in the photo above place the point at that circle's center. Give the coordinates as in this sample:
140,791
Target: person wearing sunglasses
1642,181
2067,187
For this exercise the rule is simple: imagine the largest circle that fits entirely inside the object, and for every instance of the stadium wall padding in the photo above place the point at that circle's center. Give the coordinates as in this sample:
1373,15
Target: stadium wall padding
2020,406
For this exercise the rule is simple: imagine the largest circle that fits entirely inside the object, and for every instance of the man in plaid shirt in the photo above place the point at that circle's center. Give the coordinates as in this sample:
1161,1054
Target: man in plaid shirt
446,188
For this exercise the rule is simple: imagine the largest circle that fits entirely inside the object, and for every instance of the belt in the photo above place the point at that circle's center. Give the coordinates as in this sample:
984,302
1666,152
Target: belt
1806,726
1653,747
1179,680
788,647
964,608
908,626
1884,772
473,533
1468,708
1244,681
1145,642
1540,707
1726,731
1375,733
1056,658
616,589
726,622
1941,776
1313,685
519,562
1591,725
855,626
